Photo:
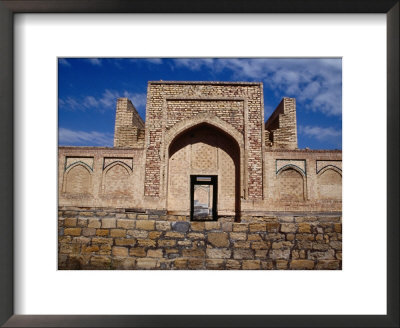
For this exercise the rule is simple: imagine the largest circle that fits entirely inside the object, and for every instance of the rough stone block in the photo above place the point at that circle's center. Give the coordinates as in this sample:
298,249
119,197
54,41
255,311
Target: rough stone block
119,251
218,253
146,263
125,224
72,231
158,253
251,264
302,265
218,239
70,222
108,223
145,224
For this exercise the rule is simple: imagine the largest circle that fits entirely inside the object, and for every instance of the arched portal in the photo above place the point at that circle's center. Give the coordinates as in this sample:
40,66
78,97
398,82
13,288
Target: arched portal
204,150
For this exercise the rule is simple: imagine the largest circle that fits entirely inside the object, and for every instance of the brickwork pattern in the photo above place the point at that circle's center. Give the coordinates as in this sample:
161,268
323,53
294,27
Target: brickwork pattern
282,126
330,184
78,180
109,239
129,126
203,150
239,104
117,180
291,185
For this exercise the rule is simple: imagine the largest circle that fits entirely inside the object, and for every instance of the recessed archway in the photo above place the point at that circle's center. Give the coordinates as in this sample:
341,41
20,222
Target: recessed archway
203,149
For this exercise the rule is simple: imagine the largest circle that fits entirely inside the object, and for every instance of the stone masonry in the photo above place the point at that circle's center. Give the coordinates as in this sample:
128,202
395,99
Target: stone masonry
110,239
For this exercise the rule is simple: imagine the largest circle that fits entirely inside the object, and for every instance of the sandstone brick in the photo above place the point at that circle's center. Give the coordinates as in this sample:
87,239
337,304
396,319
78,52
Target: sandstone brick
146,263
142,217
166,243
64,239
100,261
254,237
88,231
261,253
137,251
180,263
240,227
154,234
94,223
125,224
102,232
251,264
272,226
105,249
90,249
218,253
108,223
196,235
69,248
118,233
193,253
215,264
302,264
145,224
124,242
240,254
227,226
198,226
173,234
72,231
196,263
212,225
218,239
124,263
140,234
70,222
281,264
305,227
155,253
267,265
163,225
279,254
336,245
260,245
337,227
185,242
146,242
241,244
238,236
81,240
288,227
119,251
233,264
100,240
255,227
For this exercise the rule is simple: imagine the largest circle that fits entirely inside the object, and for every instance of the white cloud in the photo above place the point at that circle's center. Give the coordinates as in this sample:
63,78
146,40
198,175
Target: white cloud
95,61
316,83
64,62
84,138
106,101
320,133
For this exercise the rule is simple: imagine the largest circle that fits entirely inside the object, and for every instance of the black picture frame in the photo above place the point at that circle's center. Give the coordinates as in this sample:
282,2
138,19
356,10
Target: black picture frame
7,10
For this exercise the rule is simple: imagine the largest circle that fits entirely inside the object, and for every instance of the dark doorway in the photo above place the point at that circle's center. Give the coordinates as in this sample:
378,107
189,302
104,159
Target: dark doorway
203,197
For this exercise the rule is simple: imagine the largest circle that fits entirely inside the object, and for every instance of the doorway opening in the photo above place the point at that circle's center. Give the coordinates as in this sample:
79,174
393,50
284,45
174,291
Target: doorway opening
203,197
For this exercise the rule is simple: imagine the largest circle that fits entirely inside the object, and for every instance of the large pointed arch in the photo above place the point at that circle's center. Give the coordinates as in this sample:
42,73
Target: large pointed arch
217,123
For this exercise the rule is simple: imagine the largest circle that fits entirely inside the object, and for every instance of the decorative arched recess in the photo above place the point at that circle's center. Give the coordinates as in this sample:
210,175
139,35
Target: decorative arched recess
77,179
330,183
116,179
291,184
216,122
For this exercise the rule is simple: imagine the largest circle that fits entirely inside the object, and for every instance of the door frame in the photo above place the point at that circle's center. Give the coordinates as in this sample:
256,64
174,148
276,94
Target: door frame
214,182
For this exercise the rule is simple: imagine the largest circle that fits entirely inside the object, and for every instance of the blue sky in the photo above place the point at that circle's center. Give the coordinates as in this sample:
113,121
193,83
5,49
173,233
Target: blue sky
89,87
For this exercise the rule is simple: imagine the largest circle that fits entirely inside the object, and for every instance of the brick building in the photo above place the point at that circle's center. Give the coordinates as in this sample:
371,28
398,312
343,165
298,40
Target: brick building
203,128
205,153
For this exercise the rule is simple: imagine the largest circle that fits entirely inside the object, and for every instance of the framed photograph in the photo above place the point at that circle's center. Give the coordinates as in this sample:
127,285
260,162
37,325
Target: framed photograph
200,183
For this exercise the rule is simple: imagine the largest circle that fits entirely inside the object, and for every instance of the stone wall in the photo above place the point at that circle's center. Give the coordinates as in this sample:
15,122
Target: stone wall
98,238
